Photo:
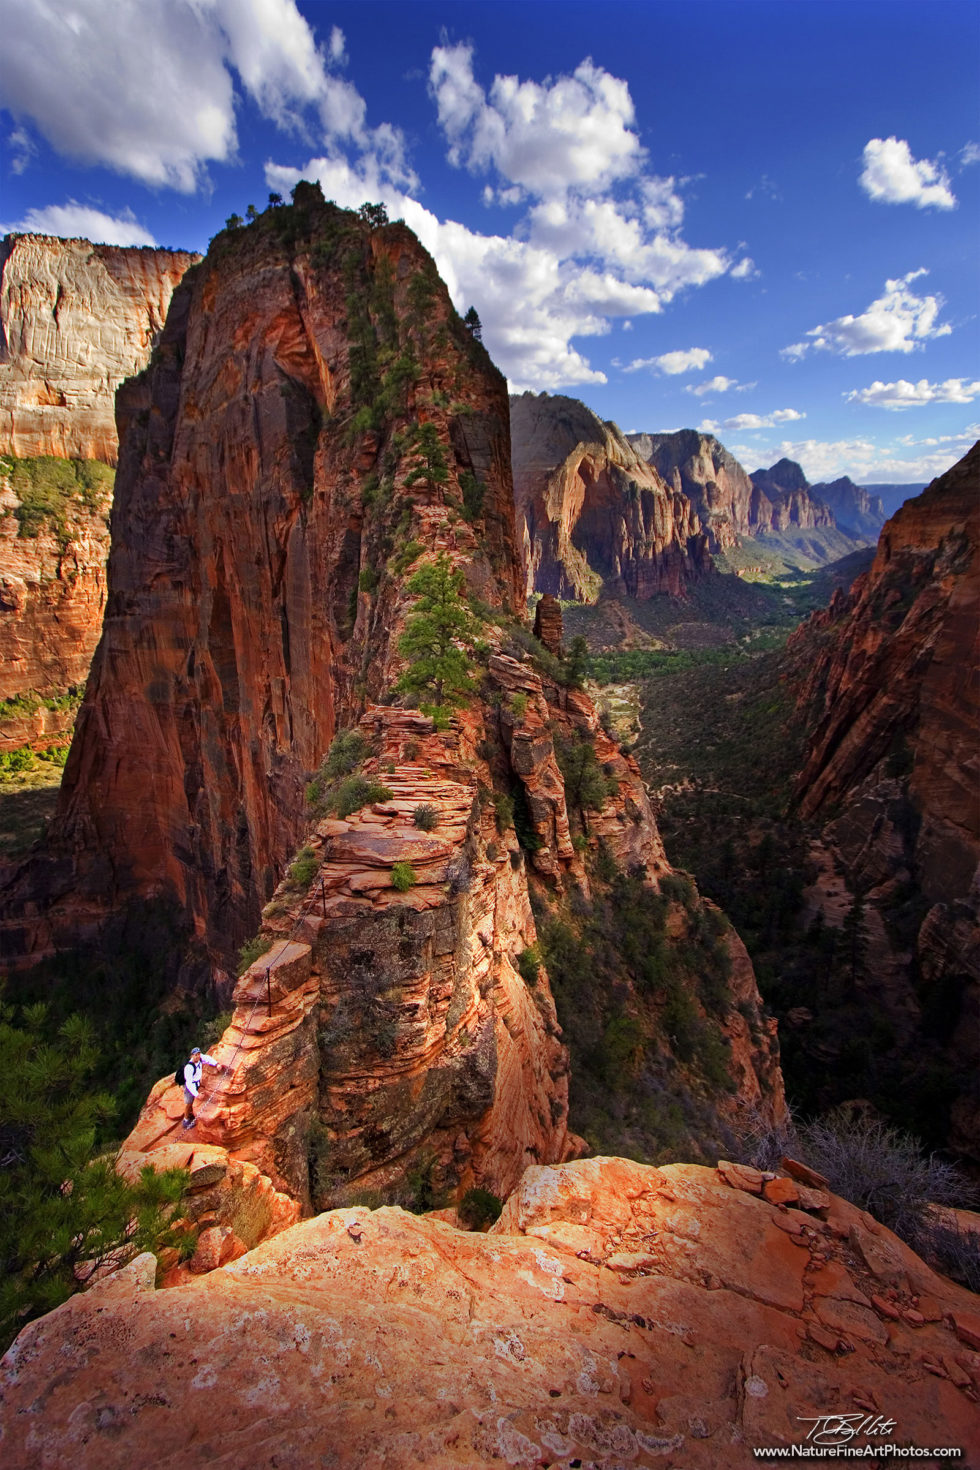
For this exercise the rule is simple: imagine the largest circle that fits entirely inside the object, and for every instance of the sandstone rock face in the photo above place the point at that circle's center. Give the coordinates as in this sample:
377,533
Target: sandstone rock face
886,680
592,514
75,320
783,498
698,466
615,1315
52,599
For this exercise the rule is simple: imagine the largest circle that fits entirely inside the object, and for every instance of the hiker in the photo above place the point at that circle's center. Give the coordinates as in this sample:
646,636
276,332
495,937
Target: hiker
192,1080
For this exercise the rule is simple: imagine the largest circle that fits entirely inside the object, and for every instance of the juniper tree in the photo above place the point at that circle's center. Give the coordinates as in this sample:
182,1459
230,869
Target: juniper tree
437,637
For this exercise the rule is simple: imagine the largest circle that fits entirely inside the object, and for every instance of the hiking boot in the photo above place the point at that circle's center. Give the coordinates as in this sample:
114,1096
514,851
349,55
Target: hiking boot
188,1124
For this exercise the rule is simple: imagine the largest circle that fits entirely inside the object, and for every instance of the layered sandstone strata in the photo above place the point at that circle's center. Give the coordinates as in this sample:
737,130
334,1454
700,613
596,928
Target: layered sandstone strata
698,466
591,512
615,1314
886,680
75,320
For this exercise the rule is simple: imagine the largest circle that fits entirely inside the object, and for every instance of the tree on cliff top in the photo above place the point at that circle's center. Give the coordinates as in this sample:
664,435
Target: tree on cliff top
437,637
63,1213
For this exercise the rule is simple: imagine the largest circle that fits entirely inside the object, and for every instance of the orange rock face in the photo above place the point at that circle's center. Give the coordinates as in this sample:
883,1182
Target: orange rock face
52,599
75,320
615,1315
591,512
886,679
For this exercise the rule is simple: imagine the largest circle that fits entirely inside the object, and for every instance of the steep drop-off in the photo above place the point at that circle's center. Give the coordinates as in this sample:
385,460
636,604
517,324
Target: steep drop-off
75,320
591,513
886,679
697,466
316,423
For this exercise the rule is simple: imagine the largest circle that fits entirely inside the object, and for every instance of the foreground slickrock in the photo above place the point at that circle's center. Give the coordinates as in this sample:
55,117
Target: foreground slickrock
616,1315
886,679
75,320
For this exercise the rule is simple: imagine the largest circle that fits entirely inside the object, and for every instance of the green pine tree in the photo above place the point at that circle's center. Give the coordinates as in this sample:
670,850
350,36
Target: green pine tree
437,638
62,1210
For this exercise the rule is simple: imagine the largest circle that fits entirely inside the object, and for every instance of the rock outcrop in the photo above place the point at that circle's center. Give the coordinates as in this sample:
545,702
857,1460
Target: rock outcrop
615,1314
855,509
591,512
886,680
75,320
698,466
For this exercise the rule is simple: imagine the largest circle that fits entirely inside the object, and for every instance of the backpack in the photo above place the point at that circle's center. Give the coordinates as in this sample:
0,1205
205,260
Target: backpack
179,1075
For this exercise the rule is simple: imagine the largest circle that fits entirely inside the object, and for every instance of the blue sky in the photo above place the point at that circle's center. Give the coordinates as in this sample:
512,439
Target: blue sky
755,216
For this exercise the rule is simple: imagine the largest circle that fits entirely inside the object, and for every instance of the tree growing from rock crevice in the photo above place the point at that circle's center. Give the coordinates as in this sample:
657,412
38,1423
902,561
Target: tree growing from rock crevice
438,636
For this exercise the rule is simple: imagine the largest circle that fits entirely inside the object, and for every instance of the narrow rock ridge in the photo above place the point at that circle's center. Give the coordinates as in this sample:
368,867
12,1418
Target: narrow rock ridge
886,680
58,374
591,513
615,1314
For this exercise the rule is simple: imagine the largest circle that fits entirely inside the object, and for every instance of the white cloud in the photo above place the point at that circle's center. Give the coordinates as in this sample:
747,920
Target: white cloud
746,270
73,219
546,138
22,149
743,421
80,74
969,153
899,321
690,360
717,384
337,47
904,394
892,176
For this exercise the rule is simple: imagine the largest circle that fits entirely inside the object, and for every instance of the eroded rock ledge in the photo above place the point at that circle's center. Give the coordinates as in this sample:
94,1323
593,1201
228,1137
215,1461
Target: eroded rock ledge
615,1315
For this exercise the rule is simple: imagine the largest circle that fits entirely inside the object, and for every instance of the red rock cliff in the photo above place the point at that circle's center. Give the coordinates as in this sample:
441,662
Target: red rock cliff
75,320
592,514
887,680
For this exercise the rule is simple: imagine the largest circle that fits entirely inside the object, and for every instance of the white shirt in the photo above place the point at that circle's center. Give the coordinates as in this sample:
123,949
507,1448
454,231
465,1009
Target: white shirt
192,1073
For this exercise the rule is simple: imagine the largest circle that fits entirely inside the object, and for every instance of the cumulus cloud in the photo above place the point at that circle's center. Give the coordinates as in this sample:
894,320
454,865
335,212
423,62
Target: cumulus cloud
899,321
892,176
546,138
746,270
904,394
81,220
672,364
79,73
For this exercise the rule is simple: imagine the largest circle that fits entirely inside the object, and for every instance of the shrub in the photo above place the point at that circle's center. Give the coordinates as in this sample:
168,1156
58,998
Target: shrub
503,808
354,792
529,964
403,877
403,559
303,867
252,950
479,1207
953,1251
368,580
585,785
426,816
518,705
880,1170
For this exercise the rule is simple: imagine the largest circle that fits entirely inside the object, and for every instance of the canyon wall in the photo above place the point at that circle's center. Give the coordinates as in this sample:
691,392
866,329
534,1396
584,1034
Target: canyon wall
886,679
591,513
75,320
697,466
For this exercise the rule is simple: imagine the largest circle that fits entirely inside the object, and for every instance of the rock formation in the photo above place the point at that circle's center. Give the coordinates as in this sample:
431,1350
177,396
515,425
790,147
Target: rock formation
697,466
315,422
591,513
886,680
855,509
615,1314
75,320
